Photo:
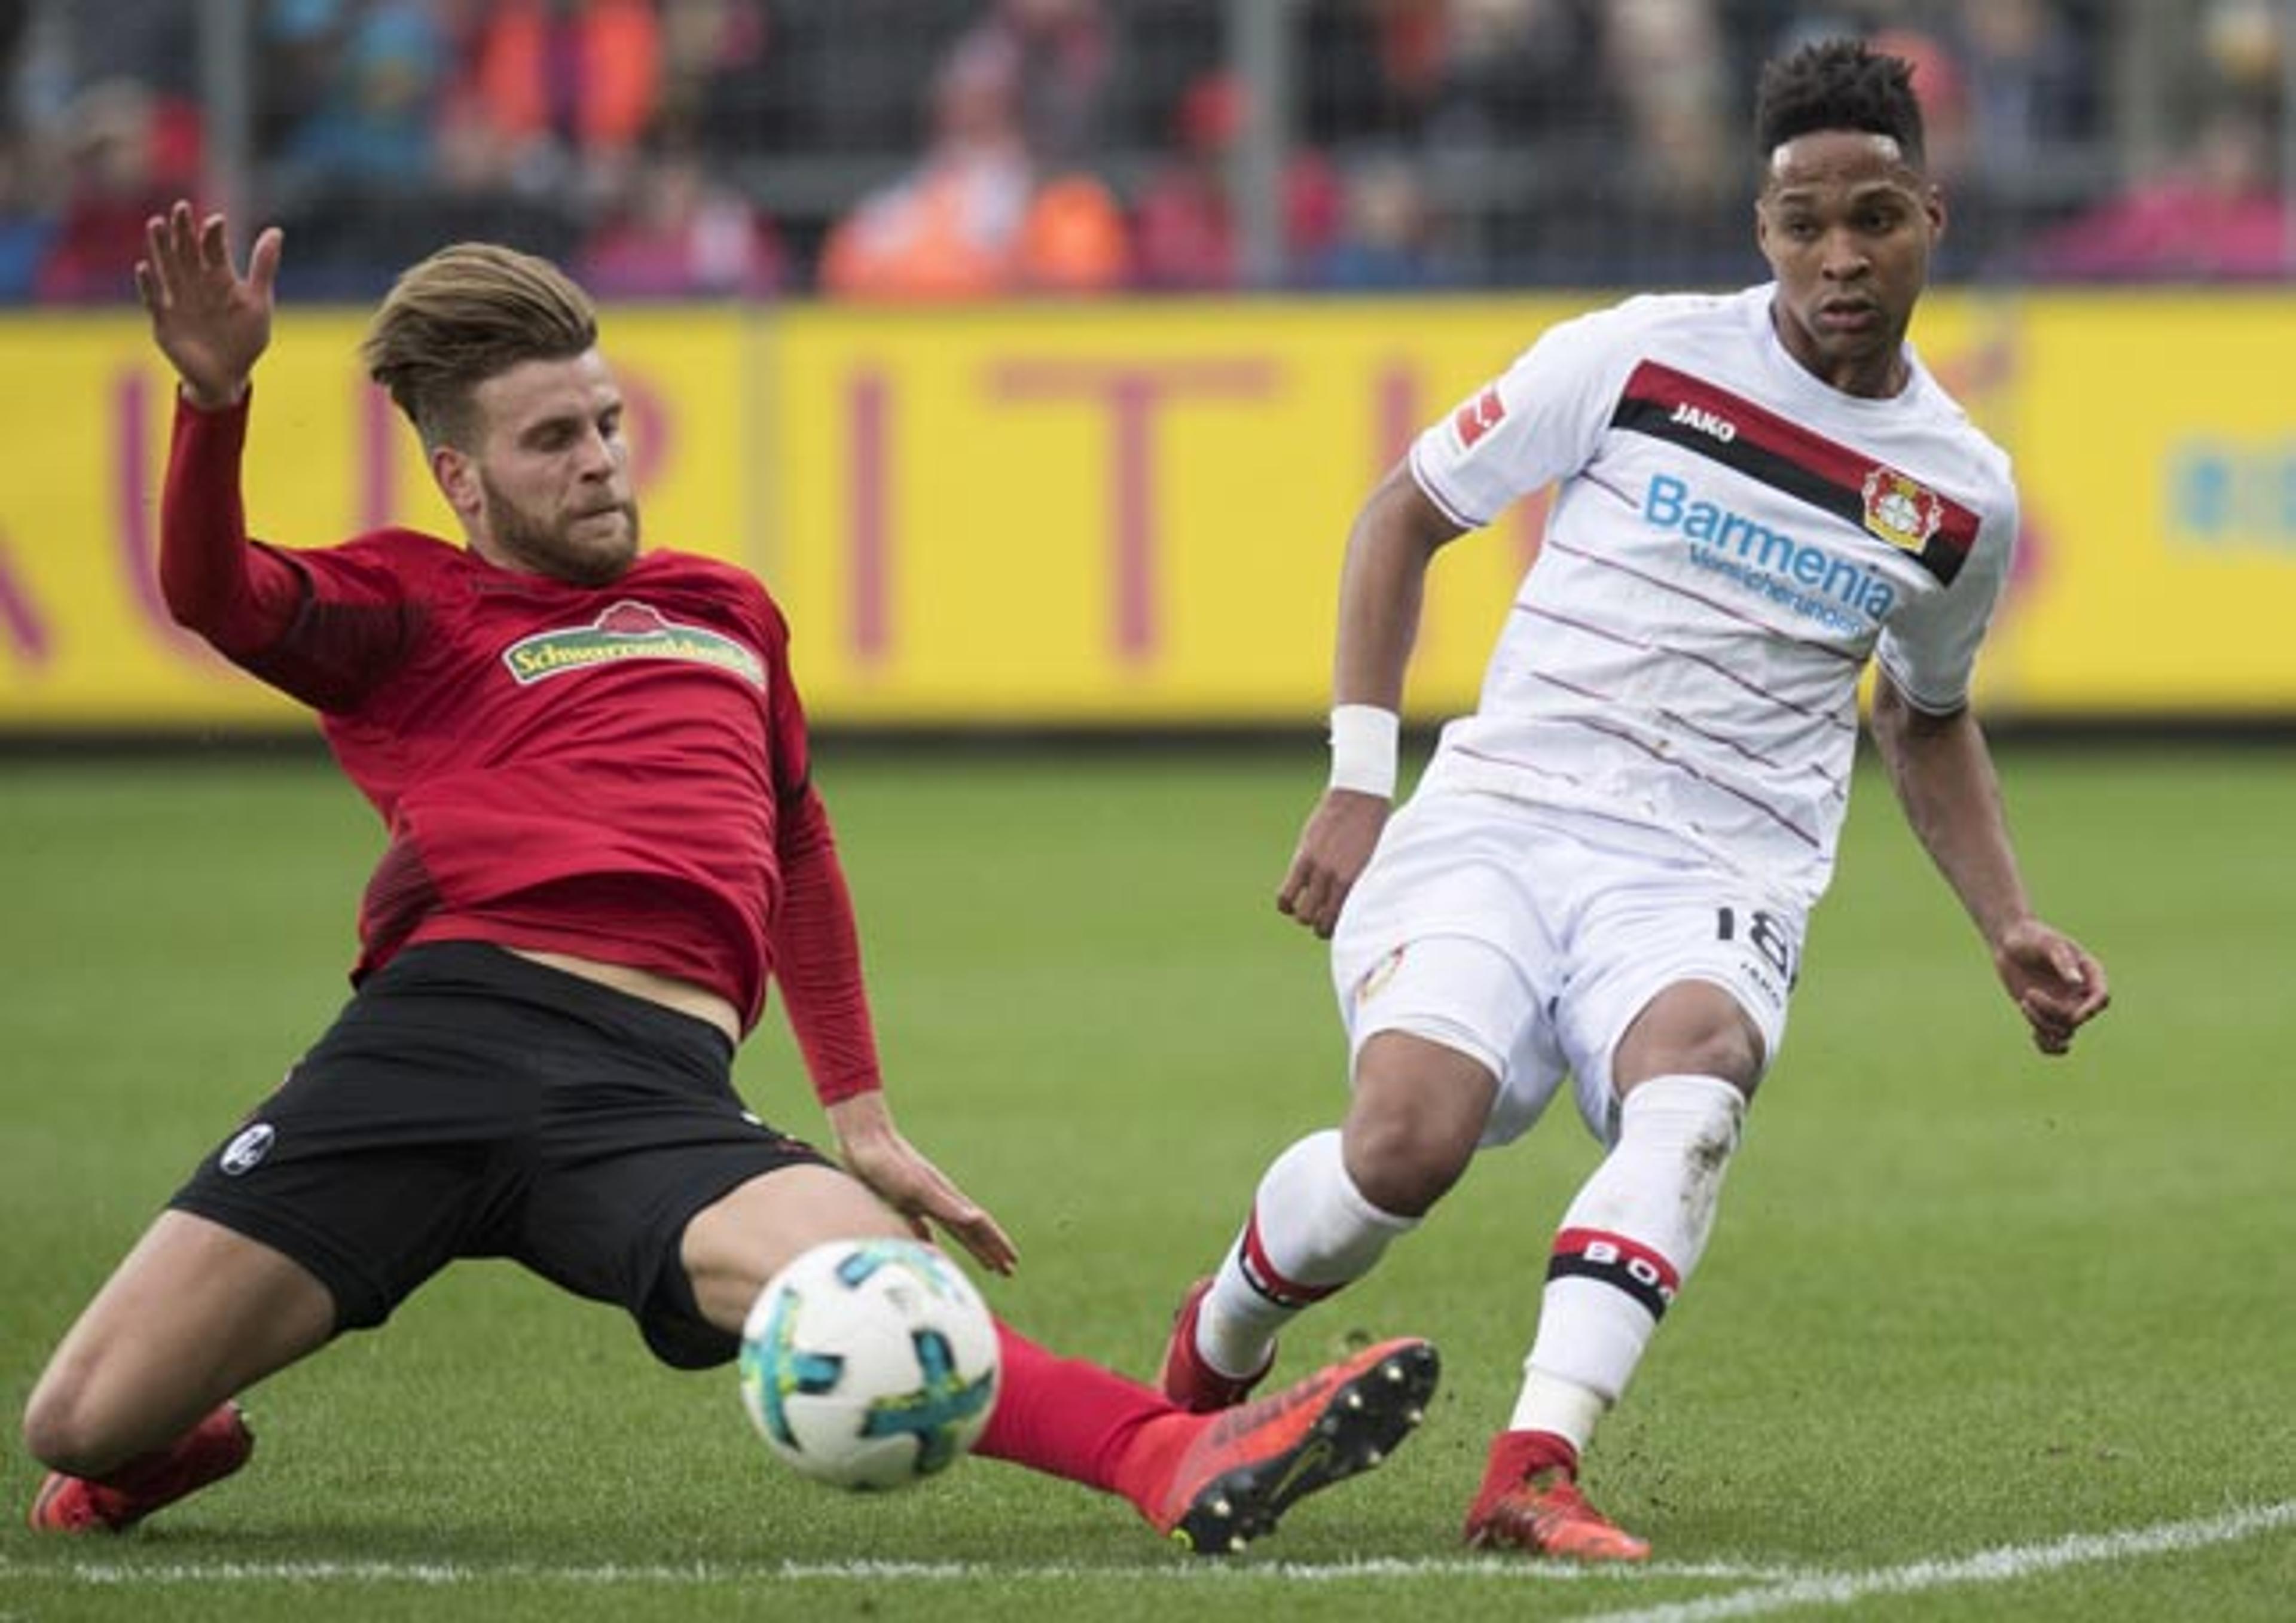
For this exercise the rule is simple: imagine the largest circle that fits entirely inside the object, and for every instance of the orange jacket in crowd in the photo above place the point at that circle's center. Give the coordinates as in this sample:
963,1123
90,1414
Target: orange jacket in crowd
618,58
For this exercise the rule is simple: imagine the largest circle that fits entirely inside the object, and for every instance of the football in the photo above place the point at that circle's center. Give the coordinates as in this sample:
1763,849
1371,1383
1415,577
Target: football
870,1364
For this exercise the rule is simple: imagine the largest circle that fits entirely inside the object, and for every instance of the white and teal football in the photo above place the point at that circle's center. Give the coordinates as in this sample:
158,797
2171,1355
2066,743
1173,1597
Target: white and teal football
870,1364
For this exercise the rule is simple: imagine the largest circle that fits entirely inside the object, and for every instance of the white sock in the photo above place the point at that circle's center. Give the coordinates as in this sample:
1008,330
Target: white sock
1311,1231
1561,1408
1626,1244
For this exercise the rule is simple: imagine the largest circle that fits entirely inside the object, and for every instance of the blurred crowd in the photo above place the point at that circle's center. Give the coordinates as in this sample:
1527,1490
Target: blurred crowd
930,149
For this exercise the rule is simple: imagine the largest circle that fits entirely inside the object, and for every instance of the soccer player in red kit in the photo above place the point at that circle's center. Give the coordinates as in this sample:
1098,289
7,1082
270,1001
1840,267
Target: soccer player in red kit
604,839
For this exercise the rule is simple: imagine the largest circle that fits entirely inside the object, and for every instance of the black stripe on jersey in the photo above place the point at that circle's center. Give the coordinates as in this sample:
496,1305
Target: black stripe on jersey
1711,422
1655,418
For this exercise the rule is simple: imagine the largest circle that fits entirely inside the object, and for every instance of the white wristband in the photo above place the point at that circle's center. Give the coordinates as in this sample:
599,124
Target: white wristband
1363,748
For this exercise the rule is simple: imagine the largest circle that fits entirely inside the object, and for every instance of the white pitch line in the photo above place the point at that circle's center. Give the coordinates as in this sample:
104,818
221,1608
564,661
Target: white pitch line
440,1574
2006,1564
1774,1589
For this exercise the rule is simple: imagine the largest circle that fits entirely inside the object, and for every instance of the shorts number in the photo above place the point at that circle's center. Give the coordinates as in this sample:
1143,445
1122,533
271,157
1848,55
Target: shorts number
1767,936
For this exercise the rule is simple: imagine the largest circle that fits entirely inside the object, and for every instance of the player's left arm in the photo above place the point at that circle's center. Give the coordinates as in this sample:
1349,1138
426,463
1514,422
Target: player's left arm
1943,774
873,1150
817,965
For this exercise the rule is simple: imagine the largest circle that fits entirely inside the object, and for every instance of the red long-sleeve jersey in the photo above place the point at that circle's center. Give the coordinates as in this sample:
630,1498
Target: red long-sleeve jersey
616,772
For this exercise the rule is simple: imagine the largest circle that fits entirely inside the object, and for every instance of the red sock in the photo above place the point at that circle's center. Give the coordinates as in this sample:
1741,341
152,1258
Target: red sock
1517,1456
1079,1421
139,1475
149,1472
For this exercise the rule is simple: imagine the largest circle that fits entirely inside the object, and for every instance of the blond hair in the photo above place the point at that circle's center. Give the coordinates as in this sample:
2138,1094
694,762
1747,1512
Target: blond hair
470,312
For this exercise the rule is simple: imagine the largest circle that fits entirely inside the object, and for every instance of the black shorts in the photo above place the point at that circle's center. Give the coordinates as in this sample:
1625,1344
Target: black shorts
468,1103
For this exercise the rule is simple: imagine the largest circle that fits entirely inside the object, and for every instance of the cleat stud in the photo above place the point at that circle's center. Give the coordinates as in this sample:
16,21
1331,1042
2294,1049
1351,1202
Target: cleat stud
1355,1401
1372,1457
1238,1545
1412,1417
1222,1508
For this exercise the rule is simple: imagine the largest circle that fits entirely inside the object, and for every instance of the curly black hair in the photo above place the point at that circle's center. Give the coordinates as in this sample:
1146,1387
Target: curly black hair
1838,84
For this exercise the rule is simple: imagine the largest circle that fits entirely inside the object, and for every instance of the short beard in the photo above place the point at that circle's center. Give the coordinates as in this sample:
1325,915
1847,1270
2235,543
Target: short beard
539,545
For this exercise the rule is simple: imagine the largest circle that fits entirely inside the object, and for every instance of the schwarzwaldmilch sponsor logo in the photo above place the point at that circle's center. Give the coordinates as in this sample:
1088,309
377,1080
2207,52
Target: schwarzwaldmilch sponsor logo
627,631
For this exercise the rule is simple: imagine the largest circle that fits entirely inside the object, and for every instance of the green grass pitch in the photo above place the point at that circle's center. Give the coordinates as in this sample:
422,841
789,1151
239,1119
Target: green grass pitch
1980,1335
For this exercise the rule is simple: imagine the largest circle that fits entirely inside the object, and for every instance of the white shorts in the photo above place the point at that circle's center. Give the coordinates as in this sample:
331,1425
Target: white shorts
1528,939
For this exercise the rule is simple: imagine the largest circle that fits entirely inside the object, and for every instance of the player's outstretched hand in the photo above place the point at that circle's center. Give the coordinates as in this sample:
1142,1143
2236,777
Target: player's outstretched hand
874,1152
210,322
2055,984
1332,851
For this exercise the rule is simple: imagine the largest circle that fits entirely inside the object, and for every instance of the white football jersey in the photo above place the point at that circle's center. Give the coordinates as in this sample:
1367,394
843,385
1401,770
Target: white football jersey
1729,542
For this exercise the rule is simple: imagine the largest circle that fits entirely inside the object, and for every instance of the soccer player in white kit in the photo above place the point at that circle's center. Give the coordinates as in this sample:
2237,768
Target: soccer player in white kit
1605,871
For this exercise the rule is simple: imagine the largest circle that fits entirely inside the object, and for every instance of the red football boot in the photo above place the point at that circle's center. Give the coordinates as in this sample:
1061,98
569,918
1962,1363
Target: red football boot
1246,1466
207,1453
1547,1515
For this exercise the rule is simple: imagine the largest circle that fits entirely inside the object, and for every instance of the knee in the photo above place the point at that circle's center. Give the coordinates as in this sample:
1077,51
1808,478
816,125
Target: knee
1417,1116
1403,1164
1731,1056
1694,1029
61,1433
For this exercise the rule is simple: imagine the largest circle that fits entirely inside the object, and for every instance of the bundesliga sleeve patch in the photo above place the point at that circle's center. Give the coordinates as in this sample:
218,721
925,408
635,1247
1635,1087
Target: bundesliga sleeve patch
1478,417
1714,423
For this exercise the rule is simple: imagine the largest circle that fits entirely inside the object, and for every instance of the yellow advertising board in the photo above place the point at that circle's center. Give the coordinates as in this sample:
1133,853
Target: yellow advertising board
86,644
2155,450
1135,513
1088,514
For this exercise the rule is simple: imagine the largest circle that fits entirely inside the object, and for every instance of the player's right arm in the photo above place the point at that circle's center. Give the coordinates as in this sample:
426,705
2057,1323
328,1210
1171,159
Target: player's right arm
324,628
1539,422
212,325
1382,584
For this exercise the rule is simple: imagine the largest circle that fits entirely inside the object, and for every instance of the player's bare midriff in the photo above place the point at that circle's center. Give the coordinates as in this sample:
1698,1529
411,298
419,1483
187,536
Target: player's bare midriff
667,990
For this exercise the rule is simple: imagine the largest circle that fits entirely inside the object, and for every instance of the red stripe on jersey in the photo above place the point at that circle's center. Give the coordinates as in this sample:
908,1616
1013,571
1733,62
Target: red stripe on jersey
1736,431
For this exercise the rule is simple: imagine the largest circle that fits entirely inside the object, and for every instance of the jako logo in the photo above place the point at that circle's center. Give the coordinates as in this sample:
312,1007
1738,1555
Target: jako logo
241,1154
1720,537
1710,423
